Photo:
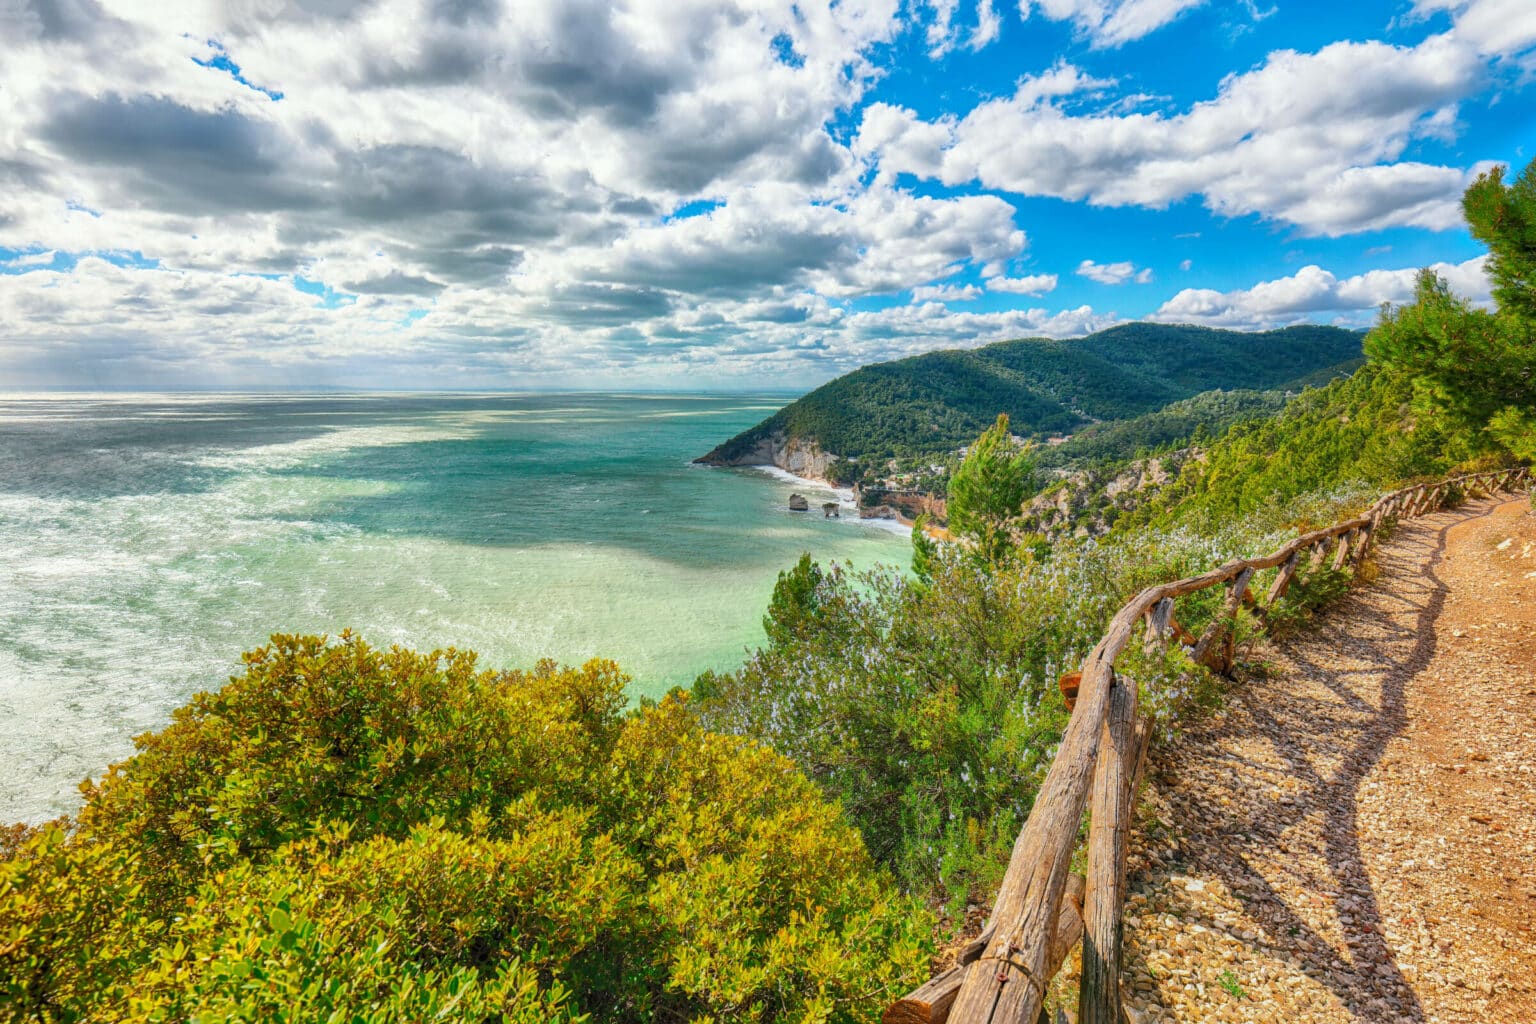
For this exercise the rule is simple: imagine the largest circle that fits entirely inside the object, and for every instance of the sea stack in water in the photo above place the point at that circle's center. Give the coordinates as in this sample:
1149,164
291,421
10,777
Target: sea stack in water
797,503
829,509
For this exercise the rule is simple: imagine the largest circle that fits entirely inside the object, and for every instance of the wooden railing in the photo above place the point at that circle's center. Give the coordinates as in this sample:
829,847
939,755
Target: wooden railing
1041,912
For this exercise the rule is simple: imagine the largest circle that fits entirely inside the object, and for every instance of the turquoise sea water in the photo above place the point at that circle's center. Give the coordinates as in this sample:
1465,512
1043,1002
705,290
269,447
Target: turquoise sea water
146,540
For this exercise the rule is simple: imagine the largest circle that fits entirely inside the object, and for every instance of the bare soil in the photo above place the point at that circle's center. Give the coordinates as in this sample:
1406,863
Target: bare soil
1353,838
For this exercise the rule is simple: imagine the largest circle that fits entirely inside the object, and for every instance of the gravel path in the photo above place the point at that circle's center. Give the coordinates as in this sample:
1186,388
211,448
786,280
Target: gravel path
1354,837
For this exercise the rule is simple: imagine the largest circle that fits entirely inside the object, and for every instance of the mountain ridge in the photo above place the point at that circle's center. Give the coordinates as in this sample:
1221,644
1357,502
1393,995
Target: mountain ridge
938,401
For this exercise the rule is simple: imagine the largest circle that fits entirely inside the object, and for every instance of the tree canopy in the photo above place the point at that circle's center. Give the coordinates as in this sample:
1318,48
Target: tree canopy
1476,365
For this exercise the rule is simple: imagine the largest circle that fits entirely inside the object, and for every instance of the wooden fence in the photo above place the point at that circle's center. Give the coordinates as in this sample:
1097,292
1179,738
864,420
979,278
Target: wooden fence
1041,912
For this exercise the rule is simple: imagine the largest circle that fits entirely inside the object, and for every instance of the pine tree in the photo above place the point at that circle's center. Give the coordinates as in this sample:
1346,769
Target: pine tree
1475,365
987,492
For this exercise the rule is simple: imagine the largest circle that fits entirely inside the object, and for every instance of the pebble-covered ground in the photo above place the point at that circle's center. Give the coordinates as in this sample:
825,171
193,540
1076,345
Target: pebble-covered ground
1353,838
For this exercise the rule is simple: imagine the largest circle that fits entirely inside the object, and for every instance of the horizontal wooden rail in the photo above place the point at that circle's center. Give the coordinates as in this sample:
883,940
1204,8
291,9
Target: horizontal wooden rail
1002,977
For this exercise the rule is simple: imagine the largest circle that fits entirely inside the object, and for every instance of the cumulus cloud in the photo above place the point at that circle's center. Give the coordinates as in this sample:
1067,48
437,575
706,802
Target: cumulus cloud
989,25
1030,284
581,190
946,293
945,29
1501,27
1313,292
1311,139
457,176
1111,23
1114,273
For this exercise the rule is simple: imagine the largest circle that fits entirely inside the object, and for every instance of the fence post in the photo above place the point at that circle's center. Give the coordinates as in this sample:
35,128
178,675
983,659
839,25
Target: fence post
1341,552
1110,812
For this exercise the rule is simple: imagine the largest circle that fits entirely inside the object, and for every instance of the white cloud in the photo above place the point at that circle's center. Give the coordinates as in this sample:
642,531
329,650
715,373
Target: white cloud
1502,27
944,31
905,330
1030,284
499,192
488,181
941,36
1111,23
1114,273
989,25
946,293
1309,139
1313,292
1186,264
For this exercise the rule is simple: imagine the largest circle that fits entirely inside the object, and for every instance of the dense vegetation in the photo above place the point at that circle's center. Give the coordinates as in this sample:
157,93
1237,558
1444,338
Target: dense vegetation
942,400
1190,420
347,834
927,704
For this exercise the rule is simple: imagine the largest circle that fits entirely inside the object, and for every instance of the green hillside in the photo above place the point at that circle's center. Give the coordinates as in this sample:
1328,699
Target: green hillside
941,400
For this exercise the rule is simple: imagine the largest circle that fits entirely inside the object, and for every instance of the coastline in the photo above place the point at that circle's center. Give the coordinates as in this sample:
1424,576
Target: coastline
845,498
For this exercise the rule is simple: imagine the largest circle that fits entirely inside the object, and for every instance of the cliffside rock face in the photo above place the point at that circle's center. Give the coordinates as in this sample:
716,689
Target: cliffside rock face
1086,503
793,455
902,506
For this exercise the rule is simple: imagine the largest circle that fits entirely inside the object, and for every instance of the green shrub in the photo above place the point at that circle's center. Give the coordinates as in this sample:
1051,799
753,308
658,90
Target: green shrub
343,833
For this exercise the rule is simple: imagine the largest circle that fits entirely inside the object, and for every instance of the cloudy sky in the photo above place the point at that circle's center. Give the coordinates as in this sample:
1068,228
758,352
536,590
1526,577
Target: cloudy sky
697,193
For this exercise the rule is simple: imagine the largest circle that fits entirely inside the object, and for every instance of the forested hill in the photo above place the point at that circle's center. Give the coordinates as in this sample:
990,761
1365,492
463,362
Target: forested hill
940,401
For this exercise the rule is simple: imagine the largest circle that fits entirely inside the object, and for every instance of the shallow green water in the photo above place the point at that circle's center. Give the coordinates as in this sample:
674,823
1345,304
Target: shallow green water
145,541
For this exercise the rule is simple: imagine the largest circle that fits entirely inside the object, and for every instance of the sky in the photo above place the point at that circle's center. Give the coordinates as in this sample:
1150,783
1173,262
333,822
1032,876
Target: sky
756,194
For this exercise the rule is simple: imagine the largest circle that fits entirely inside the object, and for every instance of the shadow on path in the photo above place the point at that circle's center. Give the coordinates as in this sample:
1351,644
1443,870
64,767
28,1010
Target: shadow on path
1278,828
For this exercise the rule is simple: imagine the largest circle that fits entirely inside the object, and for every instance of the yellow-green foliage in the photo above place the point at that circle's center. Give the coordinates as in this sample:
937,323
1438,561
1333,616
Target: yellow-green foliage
349,834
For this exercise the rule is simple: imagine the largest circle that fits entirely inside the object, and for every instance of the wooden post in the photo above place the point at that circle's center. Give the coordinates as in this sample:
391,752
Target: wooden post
1342,551
931,1003
1007,983
1283,580
1362,546
1110,812
1319,552
1213,632
1158,625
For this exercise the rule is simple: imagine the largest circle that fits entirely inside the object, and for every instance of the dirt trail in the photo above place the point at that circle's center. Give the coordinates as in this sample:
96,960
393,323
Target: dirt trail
1354,837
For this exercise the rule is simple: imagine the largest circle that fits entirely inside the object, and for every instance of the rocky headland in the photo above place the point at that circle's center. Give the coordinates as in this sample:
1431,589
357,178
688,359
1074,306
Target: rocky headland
798,456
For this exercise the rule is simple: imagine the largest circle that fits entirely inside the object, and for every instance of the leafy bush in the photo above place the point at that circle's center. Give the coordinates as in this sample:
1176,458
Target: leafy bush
929,708
347,833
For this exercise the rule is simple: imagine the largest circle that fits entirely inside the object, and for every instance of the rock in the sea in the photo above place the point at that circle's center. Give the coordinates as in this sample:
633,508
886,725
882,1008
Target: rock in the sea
830,509
797,503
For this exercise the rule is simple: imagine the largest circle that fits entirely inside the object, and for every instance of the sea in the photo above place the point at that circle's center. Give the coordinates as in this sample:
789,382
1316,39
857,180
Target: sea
146,540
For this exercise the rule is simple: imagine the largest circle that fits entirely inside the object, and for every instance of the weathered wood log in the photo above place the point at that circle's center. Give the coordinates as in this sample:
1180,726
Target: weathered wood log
1319,552
1159,623
1109,816
1341,552
1363,546
1007,983
1222,623
931,1003
1282,582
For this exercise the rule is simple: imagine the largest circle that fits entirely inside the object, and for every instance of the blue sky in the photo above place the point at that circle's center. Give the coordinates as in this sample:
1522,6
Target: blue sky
568,193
